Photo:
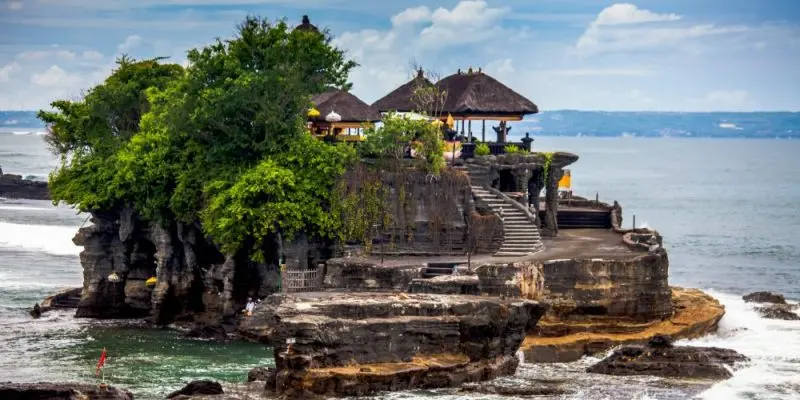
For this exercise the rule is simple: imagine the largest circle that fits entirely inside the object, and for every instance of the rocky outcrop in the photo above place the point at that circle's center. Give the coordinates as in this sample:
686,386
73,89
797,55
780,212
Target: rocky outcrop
356,344
61,391
360,275
764,297
566,338
779,311
65,299
633,288
194,281
15,187
705,363
198,388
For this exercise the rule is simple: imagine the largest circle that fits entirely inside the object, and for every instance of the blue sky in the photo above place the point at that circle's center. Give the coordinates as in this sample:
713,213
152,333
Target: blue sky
666,55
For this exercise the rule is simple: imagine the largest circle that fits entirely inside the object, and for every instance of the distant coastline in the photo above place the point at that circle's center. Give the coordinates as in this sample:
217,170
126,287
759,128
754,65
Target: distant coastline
572,123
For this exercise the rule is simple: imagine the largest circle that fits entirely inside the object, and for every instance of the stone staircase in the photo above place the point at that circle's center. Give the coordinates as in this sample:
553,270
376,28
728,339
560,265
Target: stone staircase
434,270
521,233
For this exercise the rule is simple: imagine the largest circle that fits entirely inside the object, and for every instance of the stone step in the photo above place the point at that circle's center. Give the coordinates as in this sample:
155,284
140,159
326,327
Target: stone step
516,240
511,254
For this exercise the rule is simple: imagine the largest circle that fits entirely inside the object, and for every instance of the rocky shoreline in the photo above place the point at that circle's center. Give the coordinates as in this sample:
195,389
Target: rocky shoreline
13,186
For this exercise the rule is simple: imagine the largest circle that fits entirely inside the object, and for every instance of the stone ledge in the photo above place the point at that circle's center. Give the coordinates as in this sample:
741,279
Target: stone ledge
565,340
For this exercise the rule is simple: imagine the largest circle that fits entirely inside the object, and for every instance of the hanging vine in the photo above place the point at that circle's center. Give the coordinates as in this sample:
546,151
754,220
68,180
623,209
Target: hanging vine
548,159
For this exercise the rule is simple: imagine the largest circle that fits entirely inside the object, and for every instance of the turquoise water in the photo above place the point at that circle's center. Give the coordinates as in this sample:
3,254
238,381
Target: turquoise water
729,211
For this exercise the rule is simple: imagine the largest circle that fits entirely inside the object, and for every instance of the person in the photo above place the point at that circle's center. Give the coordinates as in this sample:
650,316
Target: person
250,306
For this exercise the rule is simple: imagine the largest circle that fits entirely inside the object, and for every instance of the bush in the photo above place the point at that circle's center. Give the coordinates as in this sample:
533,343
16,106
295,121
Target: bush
513,149
482,149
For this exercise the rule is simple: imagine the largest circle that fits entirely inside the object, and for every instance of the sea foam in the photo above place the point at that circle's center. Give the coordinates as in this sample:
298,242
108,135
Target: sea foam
42,238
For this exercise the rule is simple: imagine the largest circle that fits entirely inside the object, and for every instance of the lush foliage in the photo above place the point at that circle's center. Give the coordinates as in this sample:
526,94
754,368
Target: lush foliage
482,149
396,133
548,159
513,149
223,142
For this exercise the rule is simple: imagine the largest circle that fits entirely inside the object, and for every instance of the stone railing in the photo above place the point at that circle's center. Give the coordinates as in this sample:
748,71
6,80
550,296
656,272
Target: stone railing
301,280
519,206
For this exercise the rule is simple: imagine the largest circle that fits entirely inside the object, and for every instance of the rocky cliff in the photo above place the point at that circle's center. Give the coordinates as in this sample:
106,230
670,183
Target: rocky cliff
358,344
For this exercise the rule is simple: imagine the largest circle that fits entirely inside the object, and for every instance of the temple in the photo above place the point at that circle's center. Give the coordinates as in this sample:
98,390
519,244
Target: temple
456,273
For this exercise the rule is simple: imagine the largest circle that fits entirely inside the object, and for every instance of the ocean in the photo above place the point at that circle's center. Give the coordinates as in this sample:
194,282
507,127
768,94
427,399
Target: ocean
728,209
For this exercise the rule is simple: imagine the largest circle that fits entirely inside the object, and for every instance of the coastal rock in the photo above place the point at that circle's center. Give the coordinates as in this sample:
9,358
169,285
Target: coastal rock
14,187
198,388
565,339
65,299
707,363
779,311
262,374
536,387
213,332
61,391
360,343
764,297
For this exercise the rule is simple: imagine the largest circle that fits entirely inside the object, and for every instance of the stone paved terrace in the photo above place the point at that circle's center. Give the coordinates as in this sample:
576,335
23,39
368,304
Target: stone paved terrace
572,243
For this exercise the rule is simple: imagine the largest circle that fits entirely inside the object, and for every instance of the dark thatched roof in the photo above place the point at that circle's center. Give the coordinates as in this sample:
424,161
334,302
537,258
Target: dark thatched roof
350,107
478,93
306,25
401,98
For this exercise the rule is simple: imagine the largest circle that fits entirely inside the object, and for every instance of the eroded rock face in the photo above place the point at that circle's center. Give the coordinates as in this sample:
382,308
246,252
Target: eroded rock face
764,297
357,275
634,288
357,344
707,363
61,391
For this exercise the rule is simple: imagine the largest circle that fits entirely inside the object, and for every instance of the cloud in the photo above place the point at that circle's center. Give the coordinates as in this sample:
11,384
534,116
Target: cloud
625,13
14,5
43,54
726,99
130,43
470,21
412,16
92,55
5,72
625,28
54,76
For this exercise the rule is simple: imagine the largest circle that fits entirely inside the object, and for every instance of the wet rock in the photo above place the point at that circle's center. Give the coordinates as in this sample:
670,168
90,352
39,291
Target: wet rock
261,374
61,391
15,187
660,341
212,332
198,388
706,363
36,311
764,297
778,311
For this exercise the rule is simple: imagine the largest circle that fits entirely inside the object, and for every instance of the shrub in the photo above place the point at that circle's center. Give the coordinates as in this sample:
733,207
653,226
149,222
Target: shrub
513,149
482,149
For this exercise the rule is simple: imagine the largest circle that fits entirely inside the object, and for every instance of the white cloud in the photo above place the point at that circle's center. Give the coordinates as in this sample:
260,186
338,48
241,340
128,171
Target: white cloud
44,54
130,43
501,67
626,13
470,21
92,55
412,16
54,76
5,72
624,27
14,5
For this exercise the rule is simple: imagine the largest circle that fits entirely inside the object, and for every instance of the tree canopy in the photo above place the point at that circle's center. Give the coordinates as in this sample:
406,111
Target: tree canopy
222,141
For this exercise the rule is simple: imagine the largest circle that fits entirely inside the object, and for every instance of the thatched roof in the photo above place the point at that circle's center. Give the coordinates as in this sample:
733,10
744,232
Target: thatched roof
477,93
400,99
306,25
350,107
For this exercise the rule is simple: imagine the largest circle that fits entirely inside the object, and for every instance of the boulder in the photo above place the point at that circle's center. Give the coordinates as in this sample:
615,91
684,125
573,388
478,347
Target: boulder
198,388
764,297
263,374
13,186
61,391
705,363
778,311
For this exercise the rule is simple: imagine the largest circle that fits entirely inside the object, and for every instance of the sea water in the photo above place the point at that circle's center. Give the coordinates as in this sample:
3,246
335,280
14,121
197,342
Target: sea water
728,209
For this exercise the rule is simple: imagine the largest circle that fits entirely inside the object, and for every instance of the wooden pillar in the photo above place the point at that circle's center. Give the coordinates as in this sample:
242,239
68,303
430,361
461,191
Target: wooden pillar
469,131
483,132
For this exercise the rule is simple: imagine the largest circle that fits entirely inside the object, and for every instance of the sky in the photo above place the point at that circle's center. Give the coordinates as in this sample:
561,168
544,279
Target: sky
648,55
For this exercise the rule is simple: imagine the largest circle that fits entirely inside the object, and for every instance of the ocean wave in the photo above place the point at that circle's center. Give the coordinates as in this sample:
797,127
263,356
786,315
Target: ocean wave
50,239
729,125
772,366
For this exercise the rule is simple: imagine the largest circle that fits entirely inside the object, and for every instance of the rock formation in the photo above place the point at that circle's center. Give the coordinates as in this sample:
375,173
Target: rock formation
15,187
557,339
774,306
705,363
198,388
61,391
764,297
357,344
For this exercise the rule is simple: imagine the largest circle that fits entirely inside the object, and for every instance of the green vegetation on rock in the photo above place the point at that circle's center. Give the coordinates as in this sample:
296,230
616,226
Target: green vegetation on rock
482,149
222,141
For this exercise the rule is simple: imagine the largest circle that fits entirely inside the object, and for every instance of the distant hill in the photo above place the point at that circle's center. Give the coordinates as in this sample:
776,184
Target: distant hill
596,123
